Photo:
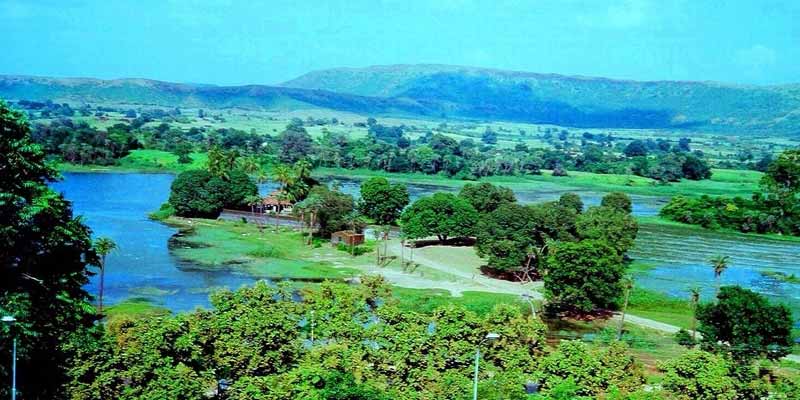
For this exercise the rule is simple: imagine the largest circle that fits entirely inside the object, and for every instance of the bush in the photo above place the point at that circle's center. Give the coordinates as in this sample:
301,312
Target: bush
356,251
684,338
198,193
165,211
583,276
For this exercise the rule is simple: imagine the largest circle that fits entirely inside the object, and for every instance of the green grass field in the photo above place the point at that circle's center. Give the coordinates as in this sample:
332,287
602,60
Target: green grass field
660,307
143,161
722,183
267,255
134,308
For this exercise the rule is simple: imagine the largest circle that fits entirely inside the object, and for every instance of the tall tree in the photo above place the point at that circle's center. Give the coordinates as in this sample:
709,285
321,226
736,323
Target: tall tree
604,223
382,201
583,276
283,174
443,215
103,246
720,264
44,252
745,324
485,197
695,297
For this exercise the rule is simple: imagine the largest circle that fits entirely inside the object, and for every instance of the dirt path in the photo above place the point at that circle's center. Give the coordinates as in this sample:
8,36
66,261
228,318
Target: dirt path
648,323
474,278
660,326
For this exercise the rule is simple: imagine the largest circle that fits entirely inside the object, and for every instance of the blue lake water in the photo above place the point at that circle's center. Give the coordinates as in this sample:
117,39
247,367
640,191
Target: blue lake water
116,205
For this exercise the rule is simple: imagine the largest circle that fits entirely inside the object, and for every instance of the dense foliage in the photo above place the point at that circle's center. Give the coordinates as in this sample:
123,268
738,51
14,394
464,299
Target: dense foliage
774,209
745,324
485,197
385,148
443,215
525,240
584,275
44,252
330,209
382,201
199,193
78,143
339,342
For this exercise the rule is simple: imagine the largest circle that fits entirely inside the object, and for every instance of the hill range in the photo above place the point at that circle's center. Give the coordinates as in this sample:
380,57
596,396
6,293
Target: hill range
443,91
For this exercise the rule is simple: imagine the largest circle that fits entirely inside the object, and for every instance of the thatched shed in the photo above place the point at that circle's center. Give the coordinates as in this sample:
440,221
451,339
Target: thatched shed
348,238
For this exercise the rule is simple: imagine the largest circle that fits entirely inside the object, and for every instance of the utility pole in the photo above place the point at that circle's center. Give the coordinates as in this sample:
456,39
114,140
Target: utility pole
10,321
489,337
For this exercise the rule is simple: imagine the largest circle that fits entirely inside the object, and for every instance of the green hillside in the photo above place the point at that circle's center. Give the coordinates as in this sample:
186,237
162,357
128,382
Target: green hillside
451,92
571,100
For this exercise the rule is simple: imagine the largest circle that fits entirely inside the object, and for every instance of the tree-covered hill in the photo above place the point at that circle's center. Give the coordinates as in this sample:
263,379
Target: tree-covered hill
460,93
570,100
151,92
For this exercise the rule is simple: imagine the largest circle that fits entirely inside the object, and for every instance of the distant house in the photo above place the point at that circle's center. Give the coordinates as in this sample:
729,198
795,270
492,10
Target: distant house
348,238
275,203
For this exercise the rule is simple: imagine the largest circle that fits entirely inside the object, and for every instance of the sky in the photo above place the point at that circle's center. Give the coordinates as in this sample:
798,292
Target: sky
230,42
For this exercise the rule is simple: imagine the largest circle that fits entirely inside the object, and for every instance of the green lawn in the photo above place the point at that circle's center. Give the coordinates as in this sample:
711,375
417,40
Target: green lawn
660,307
269,255
134,308
426,300
143,161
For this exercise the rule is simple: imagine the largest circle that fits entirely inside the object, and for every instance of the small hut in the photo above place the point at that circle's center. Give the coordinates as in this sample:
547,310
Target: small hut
275,203
348,238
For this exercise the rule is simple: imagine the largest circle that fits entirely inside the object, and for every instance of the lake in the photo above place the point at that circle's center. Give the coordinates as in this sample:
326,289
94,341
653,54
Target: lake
116,205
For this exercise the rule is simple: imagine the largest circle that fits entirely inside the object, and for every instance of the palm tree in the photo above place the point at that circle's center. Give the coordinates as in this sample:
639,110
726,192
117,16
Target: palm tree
103,246
720,264
221,162
249,165
253,201
282,196
302,170
312,205
261,176
283,175
695,293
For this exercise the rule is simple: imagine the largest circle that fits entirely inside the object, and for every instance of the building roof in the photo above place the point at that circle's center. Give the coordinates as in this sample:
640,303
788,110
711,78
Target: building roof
274,200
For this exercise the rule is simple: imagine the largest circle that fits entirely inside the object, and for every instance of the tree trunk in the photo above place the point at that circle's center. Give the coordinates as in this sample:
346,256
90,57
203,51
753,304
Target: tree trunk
694,321
311,228
102,284
624,309
402,250
385,243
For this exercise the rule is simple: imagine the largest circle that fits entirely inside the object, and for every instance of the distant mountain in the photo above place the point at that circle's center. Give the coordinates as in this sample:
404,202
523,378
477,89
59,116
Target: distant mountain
569,100
442,91
157,93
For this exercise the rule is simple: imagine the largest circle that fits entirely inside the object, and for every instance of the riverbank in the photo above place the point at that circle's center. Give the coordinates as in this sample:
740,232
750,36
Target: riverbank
142,161
723,182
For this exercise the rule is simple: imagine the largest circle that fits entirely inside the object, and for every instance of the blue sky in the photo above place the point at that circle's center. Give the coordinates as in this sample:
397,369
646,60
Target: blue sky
238,42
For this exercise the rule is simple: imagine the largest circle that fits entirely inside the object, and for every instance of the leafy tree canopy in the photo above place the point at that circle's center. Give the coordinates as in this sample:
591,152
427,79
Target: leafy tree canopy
609,224
442,215
44,252
747,323
619,201
485,197
583,276
383,201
